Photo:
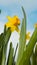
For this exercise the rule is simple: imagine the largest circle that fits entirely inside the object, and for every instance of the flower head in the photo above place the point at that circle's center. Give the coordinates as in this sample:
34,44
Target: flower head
28,36
13,23
35,25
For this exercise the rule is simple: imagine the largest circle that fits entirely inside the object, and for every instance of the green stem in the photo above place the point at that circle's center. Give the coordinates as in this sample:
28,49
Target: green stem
29,49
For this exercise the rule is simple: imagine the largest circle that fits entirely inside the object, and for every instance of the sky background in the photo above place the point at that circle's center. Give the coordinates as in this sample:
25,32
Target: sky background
13,7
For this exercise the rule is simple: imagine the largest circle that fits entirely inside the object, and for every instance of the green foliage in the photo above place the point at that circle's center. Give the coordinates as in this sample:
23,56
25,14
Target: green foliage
4,38
33,59
10,57
24,52
22,41
24,55
0,11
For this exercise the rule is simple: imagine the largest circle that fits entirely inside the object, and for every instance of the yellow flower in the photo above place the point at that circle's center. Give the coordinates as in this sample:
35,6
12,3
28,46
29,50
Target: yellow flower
35,25
28,36
13,23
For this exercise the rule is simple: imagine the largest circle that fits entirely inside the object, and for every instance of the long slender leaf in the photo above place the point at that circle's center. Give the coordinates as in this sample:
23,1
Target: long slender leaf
10,57
29,49
3,57
33,59
22,41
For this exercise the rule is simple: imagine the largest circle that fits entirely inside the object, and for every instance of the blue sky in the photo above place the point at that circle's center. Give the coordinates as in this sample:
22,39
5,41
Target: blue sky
13,7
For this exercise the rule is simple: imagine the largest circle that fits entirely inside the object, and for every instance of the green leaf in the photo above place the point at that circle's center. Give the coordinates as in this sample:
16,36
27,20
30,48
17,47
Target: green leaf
7,37
0,11
36,60
22,40
5,29
33,58
36,50
0,54
10,57
29,49
36,54
1,39
4,41
3,57
15,50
